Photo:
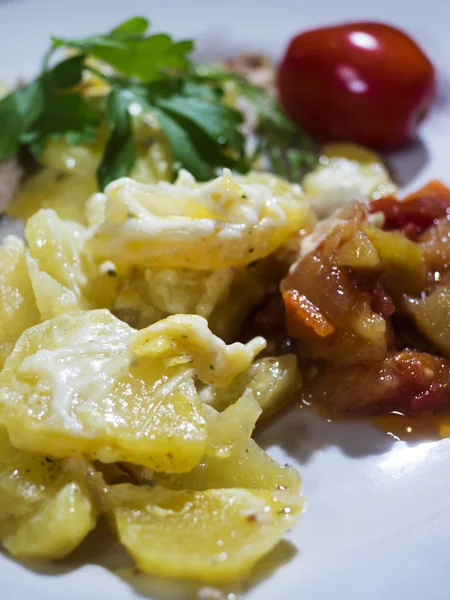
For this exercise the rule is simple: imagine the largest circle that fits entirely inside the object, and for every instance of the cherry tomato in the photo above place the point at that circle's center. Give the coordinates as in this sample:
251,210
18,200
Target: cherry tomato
363,82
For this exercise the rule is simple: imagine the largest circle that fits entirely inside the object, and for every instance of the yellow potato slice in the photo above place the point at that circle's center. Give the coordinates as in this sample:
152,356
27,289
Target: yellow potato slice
73,387
44,511
58,248
234,425
183,339
131,307
56,528
26,480
223,296
148,295
228,222
18,309
215,535
87,384
185,291
52,298
53,189
68,178
248,466
271,381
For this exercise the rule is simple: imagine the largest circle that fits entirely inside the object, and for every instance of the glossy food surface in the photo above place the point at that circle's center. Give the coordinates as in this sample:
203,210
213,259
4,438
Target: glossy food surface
364,82
361,485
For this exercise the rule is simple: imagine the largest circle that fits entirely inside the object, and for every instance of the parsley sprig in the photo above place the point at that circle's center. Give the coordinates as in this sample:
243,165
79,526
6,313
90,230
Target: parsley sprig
289,149
156,73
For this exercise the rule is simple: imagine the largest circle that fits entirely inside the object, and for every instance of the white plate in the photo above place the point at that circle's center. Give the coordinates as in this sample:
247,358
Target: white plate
377,525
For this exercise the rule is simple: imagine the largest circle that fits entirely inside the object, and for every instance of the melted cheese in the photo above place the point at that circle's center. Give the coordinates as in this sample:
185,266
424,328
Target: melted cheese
89,385
230,221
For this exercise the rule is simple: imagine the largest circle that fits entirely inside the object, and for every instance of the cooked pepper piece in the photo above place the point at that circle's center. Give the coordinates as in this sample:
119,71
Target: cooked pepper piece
304,318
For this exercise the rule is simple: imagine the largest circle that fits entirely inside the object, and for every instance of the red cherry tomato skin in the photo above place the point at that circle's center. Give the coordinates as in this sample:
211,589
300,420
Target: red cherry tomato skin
363,82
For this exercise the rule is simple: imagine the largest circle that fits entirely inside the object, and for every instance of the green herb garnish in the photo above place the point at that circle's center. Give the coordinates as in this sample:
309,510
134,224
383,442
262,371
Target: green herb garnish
289,149
155,73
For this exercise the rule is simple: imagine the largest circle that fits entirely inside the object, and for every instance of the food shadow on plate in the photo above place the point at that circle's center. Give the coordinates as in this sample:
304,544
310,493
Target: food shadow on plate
442,101
156,588
99,548
302,432
405,165
102,549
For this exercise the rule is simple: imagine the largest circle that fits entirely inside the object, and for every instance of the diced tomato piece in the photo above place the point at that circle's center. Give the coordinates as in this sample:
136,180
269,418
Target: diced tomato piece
417,211
408,382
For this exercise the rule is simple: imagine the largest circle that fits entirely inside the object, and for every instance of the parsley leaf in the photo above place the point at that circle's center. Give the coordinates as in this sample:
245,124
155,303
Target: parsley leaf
154,71
64,116
217,121
265,105
66,74
128,50
183,148
194,89
203,135
213,130
289,149
119,157
146,59
132,29
39,110
18,111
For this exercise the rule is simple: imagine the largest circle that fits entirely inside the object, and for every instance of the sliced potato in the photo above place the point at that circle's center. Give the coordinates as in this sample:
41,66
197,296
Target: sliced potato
58,247
18,309
131,307
72,387
183,339
45,509
248,466
215,535
271,381
26,480
223,296
68,178
87,384
56,528
148,295
249,286
186,291
227,222
234,425
52,298
53,189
